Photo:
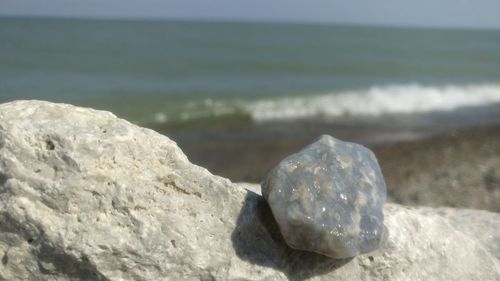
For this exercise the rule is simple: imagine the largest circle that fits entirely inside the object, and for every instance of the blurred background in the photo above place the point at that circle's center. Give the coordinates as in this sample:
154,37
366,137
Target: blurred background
241,84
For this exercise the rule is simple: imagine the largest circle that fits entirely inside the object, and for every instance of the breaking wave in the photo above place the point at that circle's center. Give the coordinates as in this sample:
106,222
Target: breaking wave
374,101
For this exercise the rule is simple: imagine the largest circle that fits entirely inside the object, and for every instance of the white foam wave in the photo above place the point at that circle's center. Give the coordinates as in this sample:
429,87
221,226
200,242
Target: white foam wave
391,99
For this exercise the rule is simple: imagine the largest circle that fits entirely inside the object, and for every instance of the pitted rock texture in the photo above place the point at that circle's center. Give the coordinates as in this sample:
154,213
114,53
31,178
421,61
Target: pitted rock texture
328,198
88,196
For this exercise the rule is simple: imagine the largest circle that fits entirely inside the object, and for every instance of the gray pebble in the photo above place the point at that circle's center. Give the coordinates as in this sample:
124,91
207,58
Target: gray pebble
328,198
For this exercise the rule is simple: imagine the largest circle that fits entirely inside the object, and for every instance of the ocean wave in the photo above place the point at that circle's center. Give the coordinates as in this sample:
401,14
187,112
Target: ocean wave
375,101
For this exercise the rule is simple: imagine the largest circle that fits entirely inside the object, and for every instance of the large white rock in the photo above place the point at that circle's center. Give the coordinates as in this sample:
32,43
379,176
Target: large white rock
87,196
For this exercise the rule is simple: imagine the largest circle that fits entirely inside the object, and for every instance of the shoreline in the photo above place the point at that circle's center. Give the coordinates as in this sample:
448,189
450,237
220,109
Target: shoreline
454,168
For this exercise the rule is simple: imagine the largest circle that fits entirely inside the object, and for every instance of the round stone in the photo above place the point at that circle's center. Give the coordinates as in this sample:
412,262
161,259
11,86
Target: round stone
328,198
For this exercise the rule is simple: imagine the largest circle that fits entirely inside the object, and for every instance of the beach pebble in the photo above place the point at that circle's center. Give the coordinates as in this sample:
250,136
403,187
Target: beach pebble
328,198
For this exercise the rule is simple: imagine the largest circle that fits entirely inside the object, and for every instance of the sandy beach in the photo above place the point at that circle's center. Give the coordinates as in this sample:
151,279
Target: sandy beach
455,167
459,168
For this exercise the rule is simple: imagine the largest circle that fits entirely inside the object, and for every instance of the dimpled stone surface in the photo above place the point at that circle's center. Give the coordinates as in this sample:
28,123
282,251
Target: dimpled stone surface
328,198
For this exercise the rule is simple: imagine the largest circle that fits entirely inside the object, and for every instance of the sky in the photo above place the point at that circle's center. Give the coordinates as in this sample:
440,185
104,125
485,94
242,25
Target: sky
427,13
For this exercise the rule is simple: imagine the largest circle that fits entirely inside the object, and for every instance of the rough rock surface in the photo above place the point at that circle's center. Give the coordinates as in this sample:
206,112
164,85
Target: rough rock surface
87,196
328,198
480,224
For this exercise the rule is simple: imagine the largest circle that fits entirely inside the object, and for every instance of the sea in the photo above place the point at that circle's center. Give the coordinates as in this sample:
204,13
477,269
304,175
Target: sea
180,75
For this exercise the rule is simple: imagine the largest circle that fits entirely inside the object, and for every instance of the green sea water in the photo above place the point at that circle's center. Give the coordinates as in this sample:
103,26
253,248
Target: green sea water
176,72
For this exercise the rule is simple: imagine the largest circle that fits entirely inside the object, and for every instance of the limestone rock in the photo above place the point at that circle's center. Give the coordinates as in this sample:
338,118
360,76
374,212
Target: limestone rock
483,225
87,196
328,198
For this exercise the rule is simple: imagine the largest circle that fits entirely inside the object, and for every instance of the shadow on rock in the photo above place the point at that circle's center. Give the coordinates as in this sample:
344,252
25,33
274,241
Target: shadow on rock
257,239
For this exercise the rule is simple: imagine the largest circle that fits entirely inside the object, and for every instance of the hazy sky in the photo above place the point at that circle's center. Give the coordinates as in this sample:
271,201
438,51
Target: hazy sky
442,13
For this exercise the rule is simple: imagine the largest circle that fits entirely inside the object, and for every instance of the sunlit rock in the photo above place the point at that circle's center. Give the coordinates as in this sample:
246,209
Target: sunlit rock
85,195
328,198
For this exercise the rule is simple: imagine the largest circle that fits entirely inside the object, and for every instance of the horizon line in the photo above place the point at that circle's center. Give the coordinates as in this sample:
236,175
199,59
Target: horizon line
250,21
